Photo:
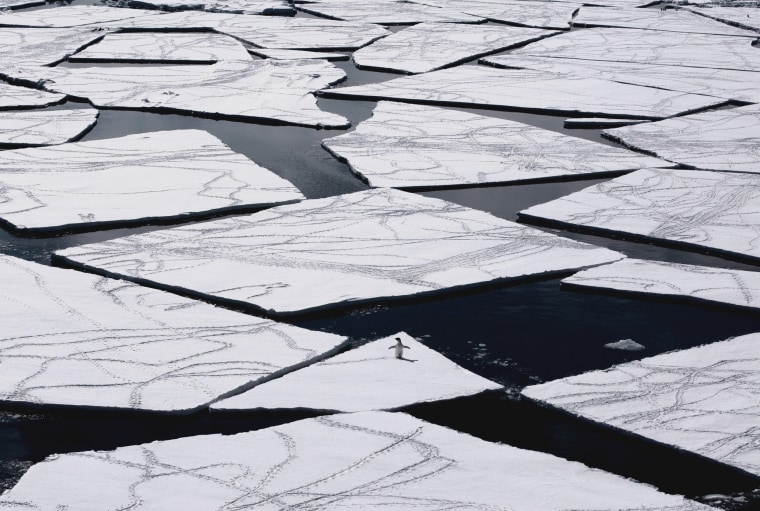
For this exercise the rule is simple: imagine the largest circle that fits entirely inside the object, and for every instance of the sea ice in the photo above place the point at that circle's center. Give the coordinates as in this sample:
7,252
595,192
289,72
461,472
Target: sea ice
365,246
131,179
713,210
366,378
297,54
700,283
726,140
74,339
164,47
253,90
70,16
430,46
411,146
44,127
705,399
527,13
523,89
246,7
625,345
746,17
387,13
23,97
367,460
43,46
598,122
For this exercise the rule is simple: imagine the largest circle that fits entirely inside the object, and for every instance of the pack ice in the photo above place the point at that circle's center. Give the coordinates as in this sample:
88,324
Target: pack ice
44,127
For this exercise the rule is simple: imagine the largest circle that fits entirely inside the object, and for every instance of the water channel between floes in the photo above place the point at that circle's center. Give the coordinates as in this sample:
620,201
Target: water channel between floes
515,335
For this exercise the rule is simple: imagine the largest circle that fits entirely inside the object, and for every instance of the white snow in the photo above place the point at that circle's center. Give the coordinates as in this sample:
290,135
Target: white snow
134,178
706,209
386,13
726,140
70,16
625,345
523,12
43,46
369,460
525,89
342,250
428,46
704,399
245,7
408,146
369,377
734,287
74,339
12,96
44,127
297,54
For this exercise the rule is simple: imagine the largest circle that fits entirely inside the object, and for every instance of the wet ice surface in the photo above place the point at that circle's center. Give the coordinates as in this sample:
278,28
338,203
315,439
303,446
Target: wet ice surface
132,179
702,283
726,140
79,340
525,12
350,461
370,377
44,127
411,146
711,210
705,399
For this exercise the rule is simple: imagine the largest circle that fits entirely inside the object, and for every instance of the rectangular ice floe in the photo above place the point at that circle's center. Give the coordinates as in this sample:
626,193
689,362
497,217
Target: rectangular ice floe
699,283
337,251
43,46
132,179
411,146
387,13
70,16
726,140
524,12
716,211
525,89
430,46
369,460
253,90
705,399
23,97
44,127
74,339
375,376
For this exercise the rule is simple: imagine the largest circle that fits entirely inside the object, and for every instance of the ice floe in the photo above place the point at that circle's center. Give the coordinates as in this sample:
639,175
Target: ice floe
625,345
44,127
411,146
164,47
711,210
278,91
79,340
700,283
366,378
705,399
428,46
337,251
746,17
70,16
726,140
131,179
387,13
524,12
297,54
365,460
43,46
525,89
269,7
12,96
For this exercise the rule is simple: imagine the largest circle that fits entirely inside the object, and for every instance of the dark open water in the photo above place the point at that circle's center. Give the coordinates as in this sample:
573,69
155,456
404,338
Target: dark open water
515,335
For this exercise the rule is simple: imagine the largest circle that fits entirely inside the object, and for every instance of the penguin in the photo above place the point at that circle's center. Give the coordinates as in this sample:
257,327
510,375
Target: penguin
399,348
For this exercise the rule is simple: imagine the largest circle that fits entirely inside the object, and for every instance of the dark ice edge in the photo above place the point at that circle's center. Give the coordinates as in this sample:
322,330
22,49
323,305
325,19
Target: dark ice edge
201,6
259,52
79,136
300,7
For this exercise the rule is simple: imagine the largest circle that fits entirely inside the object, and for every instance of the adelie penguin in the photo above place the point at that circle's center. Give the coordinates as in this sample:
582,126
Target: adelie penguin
399,348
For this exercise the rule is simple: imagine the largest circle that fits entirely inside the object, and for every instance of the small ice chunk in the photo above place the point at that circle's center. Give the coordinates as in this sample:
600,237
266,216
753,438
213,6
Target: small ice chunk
625,345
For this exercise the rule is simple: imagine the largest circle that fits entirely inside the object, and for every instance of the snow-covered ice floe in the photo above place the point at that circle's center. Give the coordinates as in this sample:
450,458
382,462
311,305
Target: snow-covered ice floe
297,54
430,46
367,460
726,140
132,179
369,377
387,13
526,89
411,146
70,16
12,97
75,339
700,283
625,345
245,7
745,17
711,210
44,127
704,400
523,12
337,251
279,91
43,46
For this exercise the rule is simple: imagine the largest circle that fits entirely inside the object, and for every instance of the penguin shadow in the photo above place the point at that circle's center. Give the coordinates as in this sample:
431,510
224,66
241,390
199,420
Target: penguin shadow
406,359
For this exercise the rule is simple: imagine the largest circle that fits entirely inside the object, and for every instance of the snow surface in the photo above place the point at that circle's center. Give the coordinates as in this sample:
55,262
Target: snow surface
408,146
23,97
74,339
44,127
43,46
428,46
297,54
164,47
702,283
246,7
625,345
342,250
135,178
747,17
252,90
705,399
369,377
705,209
70,16
726,140
386,13
368,460
525,89
524,12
